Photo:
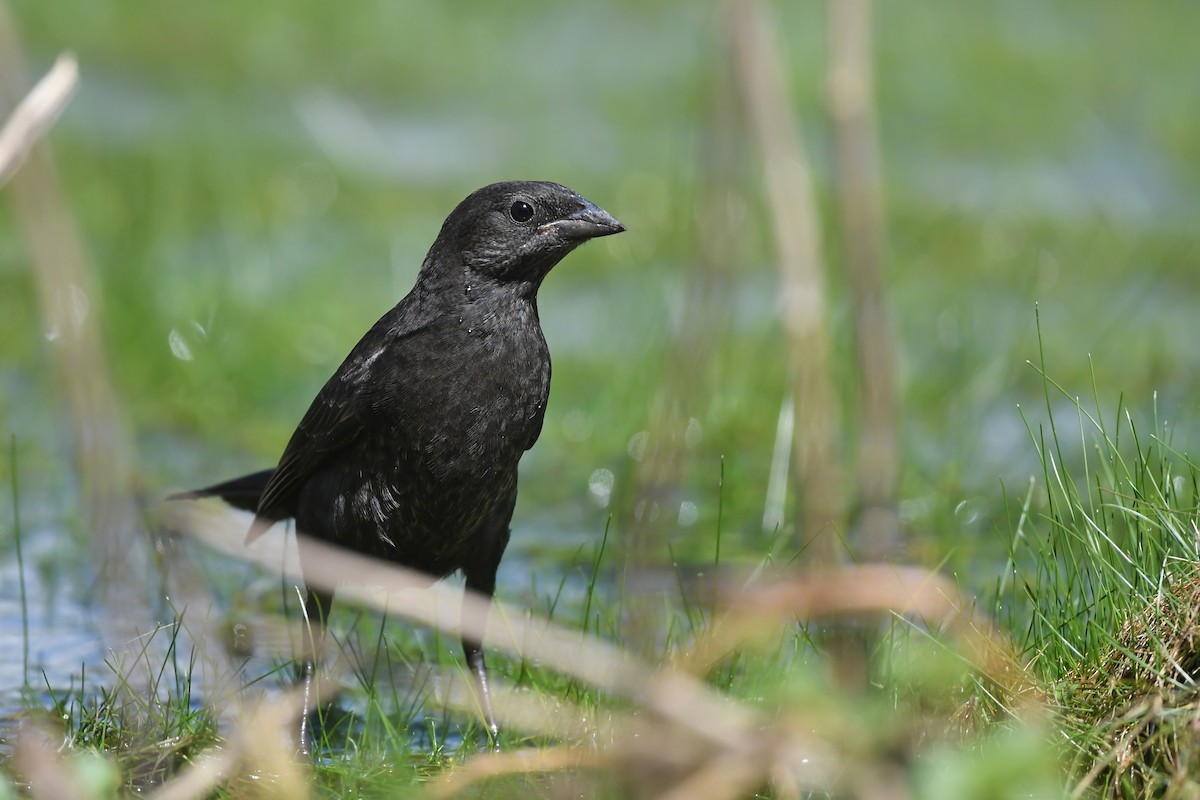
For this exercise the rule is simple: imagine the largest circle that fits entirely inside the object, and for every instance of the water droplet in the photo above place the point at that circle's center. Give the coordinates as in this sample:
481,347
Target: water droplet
637,445
600,486
688,514
179,347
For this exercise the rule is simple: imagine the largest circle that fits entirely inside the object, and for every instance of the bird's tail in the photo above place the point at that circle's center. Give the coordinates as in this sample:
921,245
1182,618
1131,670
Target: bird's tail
242,492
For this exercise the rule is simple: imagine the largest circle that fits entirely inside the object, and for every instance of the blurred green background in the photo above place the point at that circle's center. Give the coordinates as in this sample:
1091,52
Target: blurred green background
258,182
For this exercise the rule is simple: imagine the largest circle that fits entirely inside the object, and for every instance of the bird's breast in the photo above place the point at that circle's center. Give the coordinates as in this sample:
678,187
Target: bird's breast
488,399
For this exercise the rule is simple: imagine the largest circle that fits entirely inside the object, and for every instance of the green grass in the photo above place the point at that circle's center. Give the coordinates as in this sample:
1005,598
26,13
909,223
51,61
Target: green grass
1100,593
1102,587
155,725
380,740
1032,154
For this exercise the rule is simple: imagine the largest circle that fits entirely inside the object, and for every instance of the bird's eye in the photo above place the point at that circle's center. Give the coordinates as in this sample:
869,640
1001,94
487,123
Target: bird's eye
521,211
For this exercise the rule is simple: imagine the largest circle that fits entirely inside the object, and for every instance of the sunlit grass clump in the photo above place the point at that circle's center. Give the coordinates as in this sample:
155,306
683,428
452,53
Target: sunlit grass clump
1104,592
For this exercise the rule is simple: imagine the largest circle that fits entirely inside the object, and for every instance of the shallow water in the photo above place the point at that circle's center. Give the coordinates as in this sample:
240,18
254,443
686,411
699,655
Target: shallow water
57,646
63,652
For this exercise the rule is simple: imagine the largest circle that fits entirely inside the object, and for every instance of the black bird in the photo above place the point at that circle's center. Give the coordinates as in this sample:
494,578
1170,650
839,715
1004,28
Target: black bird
409,453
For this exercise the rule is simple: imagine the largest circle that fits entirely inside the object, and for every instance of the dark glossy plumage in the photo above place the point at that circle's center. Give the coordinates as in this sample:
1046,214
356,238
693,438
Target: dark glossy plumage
409,452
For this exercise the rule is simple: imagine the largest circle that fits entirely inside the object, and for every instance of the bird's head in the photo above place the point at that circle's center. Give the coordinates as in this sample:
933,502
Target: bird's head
517,231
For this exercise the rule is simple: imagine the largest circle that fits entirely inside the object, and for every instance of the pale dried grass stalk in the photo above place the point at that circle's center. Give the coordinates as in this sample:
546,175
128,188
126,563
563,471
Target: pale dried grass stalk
705,744
33,116
517,762
859,194
874,589
259,756
70,305
794,222
44,771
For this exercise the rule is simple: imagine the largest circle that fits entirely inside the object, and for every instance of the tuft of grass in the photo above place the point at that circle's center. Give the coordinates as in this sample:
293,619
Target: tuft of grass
154,722
1102,586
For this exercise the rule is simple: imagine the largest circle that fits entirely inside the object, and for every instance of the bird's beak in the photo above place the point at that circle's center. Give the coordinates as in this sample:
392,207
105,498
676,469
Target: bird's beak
587,222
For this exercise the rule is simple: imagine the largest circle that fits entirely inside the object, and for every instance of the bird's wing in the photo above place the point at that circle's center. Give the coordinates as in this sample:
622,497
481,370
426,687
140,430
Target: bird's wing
337,417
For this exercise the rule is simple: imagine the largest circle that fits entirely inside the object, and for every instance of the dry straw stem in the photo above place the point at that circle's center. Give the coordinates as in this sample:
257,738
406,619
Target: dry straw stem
787,179
259,758
873,589
703,744
40,763
657,758
859,185
551,715
36,113
70,303
648,519
593,661
689,721
519,762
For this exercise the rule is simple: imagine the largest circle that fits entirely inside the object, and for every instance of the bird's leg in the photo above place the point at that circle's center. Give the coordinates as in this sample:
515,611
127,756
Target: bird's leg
316,611
473,648
478,667
481,579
